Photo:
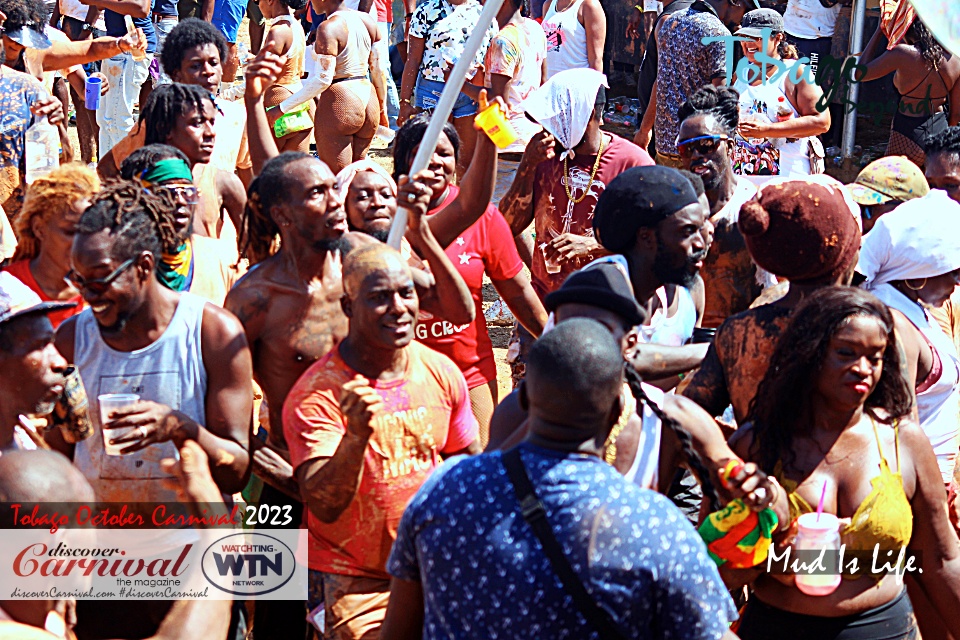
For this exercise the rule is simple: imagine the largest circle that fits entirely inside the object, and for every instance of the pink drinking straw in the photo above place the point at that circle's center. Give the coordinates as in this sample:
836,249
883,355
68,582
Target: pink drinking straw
823,494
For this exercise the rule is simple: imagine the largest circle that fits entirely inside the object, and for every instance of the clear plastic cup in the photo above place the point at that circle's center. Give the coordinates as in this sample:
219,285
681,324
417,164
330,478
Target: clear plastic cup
553,266
494,123
816,533
110,402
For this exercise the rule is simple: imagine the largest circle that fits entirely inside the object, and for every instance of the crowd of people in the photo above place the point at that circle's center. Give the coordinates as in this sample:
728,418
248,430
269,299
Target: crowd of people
712,338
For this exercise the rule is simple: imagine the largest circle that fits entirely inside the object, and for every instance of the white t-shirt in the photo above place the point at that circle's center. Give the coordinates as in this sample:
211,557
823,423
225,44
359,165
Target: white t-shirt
810,19
33,60
78,10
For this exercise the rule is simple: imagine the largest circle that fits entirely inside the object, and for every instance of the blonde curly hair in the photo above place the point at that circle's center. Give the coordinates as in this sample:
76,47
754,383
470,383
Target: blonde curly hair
51,195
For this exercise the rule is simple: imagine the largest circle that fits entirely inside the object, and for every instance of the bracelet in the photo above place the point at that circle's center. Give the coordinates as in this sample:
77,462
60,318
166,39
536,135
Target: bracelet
120,46
638,7
407,100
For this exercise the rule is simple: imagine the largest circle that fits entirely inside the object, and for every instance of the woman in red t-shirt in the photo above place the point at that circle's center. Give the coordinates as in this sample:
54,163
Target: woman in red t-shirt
486,247
45,227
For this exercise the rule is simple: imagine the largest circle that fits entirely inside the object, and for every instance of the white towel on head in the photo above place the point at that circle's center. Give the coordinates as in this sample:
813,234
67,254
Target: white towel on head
918,239
564,104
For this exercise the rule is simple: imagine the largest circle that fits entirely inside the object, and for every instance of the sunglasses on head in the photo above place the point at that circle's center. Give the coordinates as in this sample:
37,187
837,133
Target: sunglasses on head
702,144
101,285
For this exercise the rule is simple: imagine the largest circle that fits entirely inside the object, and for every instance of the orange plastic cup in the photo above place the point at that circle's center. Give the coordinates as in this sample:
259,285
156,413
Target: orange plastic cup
494,123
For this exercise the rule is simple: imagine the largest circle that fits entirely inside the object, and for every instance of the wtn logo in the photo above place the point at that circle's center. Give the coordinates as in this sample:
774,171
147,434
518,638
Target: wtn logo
257,564
249,564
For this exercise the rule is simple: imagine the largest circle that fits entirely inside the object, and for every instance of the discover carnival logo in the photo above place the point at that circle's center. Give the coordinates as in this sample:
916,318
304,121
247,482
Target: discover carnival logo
248,564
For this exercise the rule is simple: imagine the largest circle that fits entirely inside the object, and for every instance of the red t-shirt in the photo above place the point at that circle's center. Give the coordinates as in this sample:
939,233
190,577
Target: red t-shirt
487,246
384,11
426,413
21,271
554,212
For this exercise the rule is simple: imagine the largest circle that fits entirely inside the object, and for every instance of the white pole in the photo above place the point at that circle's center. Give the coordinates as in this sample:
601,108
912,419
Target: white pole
442,111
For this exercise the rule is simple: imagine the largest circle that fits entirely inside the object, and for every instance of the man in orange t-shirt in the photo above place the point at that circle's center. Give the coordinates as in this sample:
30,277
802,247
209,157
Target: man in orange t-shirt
366,425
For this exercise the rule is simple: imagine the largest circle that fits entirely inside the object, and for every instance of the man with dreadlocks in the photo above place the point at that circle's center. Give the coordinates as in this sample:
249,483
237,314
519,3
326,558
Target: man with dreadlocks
187,359
204,266
708,123
183,116
640,562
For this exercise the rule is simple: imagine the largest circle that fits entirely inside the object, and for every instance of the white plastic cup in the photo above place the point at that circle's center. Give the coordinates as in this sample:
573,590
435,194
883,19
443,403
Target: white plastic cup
110,402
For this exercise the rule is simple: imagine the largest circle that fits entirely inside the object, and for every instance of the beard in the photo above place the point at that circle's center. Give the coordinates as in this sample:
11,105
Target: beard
379,234
329,244
684,275
123,317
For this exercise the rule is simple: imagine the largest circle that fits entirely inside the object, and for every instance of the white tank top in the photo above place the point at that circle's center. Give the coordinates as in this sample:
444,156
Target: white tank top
938,407
809,19
675,330
760,159
645,470
566,39
169,371
353,60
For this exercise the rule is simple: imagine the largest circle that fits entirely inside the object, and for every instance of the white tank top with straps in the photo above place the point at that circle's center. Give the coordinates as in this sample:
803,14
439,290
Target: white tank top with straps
645,470
169,371
938,406
675,330
353,60
760,159
566,39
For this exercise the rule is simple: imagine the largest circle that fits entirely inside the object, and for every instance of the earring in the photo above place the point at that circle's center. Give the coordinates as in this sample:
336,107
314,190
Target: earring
906,283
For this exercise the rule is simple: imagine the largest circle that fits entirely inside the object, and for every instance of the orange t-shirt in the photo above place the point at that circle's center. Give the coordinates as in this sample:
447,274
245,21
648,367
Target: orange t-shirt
426,413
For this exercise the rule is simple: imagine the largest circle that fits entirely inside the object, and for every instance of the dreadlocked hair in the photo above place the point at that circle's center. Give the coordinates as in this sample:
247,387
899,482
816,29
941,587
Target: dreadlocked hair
259,234
929,47
723,103
137,219
781,409
136,163
165,104
945,142
686,441
48,197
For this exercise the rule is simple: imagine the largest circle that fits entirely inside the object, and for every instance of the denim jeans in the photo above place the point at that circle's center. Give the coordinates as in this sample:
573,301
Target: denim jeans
115,115
164,26
383,51
506,172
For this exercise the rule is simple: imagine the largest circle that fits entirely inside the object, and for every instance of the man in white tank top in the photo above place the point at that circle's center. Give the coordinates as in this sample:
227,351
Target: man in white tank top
186,359
576,31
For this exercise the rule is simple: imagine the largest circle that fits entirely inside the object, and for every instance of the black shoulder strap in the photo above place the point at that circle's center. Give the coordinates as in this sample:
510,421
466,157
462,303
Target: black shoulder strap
536,516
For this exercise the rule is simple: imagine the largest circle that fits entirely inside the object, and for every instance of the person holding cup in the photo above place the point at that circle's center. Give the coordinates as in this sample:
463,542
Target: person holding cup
832,421
186,359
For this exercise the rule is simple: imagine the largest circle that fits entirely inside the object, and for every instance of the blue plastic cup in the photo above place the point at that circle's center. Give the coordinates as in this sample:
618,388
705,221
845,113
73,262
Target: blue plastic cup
91,93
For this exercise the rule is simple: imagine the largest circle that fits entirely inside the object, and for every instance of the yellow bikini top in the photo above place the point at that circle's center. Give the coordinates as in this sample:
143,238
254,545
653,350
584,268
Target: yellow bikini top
884,517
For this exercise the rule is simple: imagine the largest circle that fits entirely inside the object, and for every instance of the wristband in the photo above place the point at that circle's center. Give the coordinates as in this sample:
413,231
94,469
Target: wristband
120,46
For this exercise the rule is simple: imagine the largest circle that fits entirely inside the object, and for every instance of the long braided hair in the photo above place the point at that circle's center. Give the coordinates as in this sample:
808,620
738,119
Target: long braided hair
138,219
260,234
686,441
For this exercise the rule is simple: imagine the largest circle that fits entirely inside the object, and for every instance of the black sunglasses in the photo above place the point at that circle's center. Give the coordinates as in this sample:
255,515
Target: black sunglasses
702,144
100,285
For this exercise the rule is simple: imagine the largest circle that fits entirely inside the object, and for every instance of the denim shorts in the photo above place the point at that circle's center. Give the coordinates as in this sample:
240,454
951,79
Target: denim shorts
227,17
428,95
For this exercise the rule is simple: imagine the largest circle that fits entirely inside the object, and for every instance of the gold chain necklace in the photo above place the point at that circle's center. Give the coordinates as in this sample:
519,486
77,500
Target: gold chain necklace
610,444
593,174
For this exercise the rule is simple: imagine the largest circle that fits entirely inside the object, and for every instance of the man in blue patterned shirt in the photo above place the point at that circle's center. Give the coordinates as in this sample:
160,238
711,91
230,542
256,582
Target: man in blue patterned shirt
467,565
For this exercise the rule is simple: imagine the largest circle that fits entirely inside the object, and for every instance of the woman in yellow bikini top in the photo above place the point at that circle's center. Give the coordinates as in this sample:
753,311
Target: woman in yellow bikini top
823,417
